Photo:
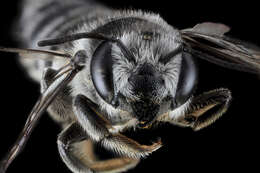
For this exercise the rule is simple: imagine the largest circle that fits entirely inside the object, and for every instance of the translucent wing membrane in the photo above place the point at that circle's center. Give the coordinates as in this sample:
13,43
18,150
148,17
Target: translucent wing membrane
221,50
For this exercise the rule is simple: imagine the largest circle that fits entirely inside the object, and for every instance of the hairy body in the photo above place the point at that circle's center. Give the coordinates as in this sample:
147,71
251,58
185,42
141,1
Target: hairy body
56,18
125,69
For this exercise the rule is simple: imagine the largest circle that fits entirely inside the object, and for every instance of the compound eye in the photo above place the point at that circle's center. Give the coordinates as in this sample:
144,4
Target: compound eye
101,71
187,79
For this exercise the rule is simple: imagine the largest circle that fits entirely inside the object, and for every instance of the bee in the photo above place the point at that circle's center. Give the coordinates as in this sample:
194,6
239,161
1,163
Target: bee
104,71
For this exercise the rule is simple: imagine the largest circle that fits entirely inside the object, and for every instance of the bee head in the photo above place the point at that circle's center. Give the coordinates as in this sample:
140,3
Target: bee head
158,77
143,71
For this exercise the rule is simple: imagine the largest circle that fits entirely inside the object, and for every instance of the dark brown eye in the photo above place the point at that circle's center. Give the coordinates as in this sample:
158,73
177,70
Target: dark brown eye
187,79
101,71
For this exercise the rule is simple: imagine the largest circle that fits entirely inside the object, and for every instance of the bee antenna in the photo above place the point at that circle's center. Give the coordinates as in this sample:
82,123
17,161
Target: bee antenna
35,51
73,37
88,35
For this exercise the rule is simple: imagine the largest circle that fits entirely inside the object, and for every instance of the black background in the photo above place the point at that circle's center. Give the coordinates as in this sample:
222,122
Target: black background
230,143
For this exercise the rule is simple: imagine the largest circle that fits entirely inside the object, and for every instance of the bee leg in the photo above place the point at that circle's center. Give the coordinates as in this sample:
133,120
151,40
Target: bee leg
66,138
76,150
47,78
205,109
100,130
60,109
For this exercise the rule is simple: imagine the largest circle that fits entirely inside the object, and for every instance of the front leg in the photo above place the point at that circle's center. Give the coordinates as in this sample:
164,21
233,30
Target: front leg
100,130
61,107
197,115
77,152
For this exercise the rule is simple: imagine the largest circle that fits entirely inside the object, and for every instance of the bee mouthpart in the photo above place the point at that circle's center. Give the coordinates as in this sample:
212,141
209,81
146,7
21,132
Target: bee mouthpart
144,124
146,112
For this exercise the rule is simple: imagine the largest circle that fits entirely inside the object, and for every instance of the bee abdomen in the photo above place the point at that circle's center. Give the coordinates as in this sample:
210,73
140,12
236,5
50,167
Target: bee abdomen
42,19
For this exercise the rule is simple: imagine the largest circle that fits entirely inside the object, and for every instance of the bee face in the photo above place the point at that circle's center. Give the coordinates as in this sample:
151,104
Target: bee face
148,86
146,83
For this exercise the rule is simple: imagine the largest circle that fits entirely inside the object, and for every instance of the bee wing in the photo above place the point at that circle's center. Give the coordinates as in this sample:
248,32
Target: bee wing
62,79
210,28
207,41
